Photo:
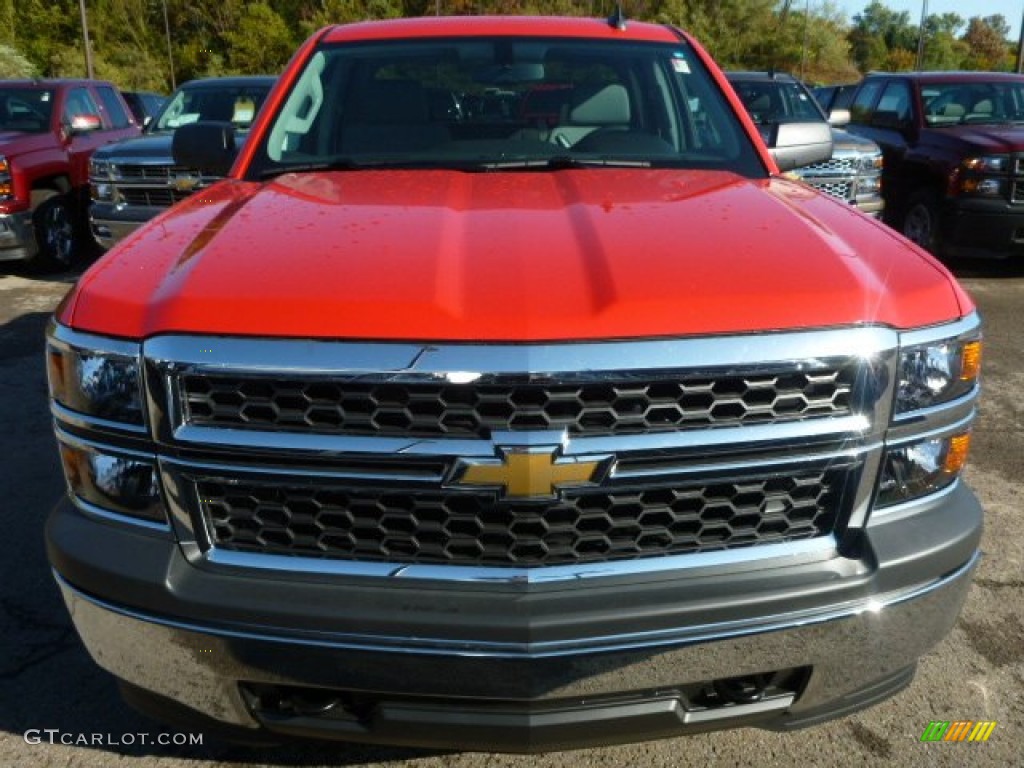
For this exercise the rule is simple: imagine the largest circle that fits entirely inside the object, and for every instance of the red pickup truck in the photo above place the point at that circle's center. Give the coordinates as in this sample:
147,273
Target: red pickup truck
48,131
440,423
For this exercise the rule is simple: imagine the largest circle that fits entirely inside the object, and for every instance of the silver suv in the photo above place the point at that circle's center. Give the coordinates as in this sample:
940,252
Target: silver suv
854,172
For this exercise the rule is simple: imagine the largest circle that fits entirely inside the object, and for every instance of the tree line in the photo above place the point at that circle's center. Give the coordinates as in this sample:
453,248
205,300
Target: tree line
129,38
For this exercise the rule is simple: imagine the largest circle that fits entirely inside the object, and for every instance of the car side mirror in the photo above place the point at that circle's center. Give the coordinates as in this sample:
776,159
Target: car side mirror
208,146
797,144
889,120
839,117
85,123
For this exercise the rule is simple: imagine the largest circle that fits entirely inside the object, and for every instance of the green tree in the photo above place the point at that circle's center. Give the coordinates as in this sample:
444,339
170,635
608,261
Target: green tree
261,43
986,42
813,45
14,64
942,49
877,32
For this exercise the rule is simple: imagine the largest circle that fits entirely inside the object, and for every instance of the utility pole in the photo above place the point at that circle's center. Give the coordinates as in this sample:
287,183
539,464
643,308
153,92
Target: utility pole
920,37
85,39
803,48
1020,48
170,57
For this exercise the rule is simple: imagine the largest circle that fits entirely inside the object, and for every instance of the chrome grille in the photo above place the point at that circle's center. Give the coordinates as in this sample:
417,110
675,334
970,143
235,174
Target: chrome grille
299,518
840,189
151,196
348,457
159,173
613,405
839,165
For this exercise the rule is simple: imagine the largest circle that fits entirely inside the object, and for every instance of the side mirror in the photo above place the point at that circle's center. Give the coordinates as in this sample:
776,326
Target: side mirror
888,120
839,117
85,123
797,144
208,146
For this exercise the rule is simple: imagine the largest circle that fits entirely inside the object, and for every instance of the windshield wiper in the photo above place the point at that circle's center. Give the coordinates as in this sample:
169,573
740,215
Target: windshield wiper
559,162
340,164
351,164
556,162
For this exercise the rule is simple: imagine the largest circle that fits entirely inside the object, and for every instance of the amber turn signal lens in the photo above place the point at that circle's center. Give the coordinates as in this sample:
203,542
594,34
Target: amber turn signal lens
956,454
970,361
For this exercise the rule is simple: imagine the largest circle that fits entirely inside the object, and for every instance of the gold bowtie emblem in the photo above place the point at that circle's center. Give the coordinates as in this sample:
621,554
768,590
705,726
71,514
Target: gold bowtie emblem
530,474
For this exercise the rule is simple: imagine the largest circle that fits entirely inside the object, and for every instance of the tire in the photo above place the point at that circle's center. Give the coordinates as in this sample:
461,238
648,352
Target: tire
921,220
55,226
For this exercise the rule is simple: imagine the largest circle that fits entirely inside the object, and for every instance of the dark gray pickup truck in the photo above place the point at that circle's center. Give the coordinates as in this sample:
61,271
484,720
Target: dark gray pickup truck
134,180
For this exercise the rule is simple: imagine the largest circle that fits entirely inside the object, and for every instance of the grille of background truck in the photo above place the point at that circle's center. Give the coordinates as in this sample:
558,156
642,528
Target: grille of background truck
152,185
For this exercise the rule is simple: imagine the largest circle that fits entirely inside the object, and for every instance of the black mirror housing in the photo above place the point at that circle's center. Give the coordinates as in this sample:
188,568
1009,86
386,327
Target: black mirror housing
209,147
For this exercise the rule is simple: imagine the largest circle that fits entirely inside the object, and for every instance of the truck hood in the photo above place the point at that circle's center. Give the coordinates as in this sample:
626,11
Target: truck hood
18,142
989,138
844,140
148,146
530,256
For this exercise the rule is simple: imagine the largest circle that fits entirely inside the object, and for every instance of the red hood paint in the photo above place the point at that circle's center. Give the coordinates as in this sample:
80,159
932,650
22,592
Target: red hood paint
989,138
531,256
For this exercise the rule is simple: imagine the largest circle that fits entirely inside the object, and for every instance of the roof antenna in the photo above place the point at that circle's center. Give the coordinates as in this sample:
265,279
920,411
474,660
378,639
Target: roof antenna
618,19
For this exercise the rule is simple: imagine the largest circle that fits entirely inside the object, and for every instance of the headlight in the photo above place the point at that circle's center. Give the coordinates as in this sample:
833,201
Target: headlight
869,185
110,481
987,163
6,181
102,382
871,162
100,176
921,468
99,169
102,193
983,187
936,373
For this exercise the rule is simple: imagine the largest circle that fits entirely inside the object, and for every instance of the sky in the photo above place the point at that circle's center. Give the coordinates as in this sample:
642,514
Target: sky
1010,9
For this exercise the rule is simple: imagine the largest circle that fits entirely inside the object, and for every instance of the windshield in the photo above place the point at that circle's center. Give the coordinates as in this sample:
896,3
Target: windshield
974,102
771,102
26,110
236,104
504,103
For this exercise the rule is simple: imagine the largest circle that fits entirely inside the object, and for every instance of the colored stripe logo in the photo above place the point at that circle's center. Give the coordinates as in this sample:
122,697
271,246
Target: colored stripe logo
958,730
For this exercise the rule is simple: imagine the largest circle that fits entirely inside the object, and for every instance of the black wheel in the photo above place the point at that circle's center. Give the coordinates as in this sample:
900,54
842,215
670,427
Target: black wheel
921,221
54,222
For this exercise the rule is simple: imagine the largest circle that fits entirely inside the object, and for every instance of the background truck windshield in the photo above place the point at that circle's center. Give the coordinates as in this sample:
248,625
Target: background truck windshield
25,110
973,102
493,103
235,104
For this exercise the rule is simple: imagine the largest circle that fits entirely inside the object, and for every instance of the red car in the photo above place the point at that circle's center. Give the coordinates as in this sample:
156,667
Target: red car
48,131
454,428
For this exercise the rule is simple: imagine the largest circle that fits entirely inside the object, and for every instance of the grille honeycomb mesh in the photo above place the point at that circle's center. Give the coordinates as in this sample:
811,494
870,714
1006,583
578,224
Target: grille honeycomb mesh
608,406
457,528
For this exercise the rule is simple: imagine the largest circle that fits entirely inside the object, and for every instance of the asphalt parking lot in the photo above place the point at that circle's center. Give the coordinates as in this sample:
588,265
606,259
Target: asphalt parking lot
51,691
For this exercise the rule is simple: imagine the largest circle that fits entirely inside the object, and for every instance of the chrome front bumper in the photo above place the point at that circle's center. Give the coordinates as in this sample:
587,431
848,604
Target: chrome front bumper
110,224
571,691
17,237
